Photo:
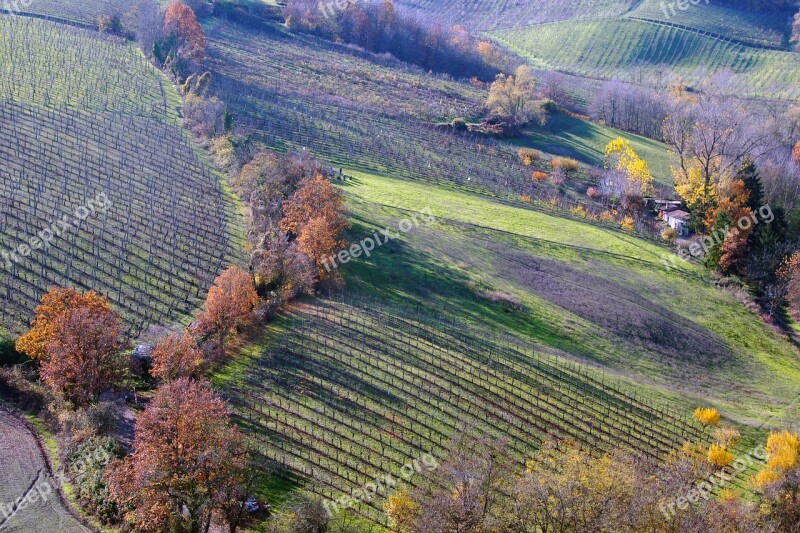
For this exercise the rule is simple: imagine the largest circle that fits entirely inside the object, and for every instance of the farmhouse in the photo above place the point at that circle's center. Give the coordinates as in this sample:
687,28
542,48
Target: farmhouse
677,219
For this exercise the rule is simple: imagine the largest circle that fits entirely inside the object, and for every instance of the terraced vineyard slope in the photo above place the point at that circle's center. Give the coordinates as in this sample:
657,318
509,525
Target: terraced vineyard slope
353,391
98,169
651,52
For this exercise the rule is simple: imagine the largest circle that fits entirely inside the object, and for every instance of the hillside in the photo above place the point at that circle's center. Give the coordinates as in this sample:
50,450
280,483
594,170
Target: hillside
77,112
651,52
520,317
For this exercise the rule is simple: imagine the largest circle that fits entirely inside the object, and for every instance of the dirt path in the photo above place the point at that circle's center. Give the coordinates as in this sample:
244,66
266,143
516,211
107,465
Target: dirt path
24,473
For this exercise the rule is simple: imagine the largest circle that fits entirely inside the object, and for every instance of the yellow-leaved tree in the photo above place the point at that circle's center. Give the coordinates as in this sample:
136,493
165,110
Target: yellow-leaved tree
783,454
620,156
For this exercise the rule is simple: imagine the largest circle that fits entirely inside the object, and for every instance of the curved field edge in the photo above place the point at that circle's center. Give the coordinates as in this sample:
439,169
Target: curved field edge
632,49
750,372
42,448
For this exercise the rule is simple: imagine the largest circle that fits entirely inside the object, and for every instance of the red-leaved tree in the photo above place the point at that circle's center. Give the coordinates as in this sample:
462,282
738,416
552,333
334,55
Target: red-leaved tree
177,356
83,357
229,307
186,455
315,215
181,22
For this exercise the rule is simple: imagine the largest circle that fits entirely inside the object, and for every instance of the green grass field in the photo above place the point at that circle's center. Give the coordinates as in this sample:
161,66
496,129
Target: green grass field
586,142
337,393
640,51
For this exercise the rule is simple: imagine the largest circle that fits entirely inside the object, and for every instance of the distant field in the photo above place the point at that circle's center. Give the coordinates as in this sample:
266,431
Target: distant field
83,11
767,28
484,15
80,116
640,51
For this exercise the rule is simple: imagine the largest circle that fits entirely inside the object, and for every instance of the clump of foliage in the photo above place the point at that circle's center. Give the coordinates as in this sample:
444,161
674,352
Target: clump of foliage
77,338
188,461
707,416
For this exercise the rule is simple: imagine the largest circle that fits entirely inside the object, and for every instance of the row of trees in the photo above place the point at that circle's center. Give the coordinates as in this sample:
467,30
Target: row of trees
188,463
379,27
479,488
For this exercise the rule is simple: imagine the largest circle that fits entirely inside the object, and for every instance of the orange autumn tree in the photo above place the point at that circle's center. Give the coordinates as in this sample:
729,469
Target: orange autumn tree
186,454
229,306
181,22
83,357
52,305
789,277
176,356
315,216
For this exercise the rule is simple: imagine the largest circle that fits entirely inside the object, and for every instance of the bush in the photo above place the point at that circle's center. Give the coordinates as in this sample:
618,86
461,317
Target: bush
669,235
9,356
565,163
719,456
593,193
528,156
85,468
459,124
706,416
538,176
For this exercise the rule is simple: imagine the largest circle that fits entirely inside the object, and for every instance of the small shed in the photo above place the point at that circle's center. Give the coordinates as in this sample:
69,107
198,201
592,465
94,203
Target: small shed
678,220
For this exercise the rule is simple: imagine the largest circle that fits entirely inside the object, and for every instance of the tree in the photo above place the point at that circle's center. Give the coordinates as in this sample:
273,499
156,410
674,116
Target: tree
185,454
53,304
180,21
709,140
789,276
83,358
464,493
620,157
513,97
229,306
315,216
177,356
281,270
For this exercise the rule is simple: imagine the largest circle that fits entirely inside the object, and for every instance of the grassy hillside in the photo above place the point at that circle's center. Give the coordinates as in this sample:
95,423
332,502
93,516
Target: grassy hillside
287,91
572,330
586,142
642,51
760,29
77,112
484,15
343,393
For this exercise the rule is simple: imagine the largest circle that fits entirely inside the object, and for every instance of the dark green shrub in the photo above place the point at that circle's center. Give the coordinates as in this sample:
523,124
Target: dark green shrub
9,356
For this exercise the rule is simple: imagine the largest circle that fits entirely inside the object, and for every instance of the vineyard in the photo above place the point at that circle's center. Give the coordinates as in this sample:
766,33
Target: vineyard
355,391
650,52
79,11
288,92
78,113
487,15
760,29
